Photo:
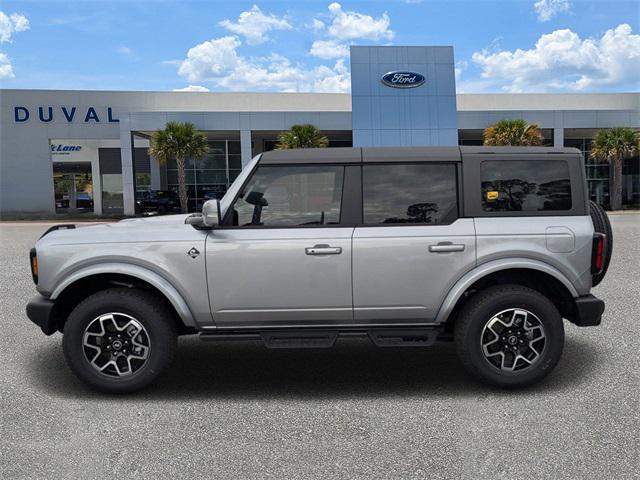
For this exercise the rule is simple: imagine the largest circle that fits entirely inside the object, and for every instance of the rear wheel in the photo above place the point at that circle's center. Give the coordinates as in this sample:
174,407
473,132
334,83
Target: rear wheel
601,224
119,340
509,336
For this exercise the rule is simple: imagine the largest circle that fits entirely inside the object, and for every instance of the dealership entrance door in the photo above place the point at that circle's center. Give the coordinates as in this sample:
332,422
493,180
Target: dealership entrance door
73,187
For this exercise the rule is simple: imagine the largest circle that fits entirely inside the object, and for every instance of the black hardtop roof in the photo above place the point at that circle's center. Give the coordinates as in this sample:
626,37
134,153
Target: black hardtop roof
397,154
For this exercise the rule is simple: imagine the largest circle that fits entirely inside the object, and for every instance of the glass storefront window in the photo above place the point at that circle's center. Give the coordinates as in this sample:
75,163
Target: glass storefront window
112,201
143,182
597,173
209,177
73,187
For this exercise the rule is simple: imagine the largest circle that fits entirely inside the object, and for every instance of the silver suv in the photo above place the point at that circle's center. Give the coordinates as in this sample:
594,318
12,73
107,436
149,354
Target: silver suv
489,247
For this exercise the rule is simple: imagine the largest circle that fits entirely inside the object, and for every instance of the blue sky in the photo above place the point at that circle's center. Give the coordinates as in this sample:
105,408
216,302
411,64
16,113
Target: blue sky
508,46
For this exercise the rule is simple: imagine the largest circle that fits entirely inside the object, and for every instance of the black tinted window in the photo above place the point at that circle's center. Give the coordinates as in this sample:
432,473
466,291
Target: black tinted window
409,193
525,185
290,196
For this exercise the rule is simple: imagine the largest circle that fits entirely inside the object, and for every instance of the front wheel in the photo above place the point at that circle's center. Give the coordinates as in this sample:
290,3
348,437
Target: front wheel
119,340
509,336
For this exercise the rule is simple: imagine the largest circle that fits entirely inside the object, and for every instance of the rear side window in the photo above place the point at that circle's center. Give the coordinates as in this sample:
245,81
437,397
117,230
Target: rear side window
409,193
525,185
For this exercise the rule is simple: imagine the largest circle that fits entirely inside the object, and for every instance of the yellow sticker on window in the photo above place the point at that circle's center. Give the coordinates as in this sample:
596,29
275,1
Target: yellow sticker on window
492,195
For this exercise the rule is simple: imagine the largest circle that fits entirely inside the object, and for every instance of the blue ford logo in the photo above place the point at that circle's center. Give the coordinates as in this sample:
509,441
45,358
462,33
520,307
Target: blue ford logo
403,79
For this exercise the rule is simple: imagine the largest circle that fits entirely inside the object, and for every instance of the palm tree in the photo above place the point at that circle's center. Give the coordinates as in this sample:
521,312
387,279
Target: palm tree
178,141
302,136
513,132
614,146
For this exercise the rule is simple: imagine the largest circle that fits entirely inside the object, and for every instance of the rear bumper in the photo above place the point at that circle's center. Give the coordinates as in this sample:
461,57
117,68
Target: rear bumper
588,311
39,311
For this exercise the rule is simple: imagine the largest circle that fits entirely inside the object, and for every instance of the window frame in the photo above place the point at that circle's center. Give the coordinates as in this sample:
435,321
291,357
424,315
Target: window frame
458,182
472,163
347,218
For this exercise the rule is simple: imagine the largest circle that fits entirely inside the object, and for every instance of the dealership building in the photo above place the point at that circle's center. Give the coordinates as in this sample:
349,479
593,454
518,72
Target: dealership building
71,152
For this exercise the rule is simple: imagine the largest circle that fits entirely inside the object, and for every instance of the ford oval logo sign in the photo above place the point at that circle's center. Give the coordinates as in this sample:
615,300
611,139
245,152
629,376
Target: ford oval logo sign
403,79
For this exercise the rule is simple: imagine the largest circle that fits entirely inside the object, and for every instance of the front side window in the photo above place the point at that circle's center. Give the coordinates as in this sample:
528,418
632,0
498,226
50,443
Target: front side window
409,193
525,185
291,196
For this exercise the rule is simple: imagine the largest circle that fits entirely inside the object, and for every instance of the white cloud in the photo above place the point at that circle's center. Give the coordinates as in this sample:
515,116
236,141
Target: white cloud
344,27
332,80
192,88
562,60
217,61
347,25
317,25
547,9
460,67
329,49
211,59
6,70
10,24
125,50
254,25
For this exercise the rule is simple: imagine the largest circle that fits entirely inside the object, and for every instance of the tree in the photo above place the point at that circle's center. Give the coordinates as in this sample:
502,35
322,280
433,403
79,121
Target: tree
179,141
513,132
302,136
614,146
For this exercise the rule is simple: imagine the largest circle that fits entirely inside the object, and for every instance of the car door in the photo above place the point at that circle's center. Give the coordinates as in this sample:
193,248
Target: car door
285,256
412,247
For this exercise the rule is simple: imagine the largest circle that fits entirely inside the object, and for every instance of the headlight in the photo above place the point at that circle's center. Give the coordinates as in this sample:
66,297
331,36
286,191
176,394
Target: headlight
33,260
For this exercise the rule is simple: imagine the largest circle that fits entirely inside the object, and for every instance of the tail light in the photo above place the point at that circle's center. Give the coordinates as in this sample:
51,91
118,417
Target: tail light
33,260
598,253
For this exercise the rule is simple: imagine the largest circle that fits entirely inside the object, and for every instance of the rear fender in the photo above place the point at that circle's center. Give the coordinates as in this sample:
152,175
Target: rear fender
486,269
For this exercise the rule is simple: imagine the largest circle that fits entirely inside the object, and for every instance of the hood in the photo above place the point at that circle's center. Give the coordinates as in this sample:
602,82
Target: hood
160,228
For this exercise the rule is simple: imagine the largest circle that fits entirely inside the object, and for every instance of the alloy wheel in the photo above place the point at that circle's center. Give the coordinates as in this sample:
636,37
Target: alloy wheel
116,344
513,340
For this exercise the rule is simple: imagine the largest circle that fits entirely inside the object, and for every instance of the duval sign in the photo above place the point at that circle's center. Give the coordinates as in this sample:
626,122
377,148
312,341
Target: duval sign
402,79
70,114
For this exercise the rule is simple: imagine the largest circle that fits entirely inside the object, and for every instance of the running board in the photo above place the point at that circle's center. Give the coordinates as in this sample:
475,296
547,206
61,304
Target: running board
402,337
300,339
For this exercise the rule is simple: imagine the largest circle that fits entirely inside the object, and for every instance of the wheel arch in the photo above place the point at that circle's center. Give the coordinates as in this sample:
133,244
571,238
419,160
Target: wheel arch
106,275
532,273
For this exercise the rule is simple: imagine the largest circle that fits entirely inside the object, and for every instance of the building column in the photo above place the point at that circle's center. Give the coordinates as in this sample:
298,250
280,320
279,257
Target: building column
558,129
96,182
245,147
126,158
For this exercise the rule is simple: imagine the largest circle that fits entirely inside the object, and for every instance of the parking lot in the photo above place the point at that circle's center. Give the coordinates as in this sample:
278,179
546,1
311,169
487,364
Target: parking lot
239,410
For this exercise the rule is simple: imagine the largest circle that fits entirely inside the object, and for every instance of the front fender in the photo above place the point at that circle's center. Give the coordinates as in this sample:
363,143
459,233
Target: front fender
134,271
490,267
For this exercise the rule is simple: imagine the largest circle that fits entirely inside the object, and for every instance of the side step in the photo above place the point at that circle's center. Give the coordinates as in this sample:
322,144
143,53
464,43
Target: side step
300,339
402,337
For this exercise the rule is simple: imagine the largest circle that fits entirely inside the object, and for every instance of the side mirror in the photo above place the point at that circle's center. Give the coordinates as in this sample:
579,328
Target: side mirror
195,220
211,213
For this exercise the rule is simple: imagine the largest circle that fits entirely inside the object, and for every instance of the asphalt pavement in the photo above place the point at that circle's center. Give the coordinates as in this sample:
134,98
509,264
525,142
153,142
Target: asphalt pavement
238,410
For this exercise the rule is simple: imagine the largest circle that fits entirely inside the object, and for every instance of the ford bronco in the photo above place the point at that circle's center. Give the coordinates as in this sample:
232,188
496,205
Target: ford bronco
491,247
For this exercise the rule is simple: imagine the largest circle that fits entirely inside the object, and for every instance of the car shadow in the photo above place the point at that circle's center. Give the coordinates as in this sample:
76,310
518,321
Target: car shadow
354,368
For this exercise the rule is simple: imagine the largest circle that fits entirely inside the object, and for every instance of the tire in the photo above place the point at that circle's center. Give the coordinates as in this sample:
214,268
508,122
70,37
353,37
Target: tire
601,224
146,346
472,334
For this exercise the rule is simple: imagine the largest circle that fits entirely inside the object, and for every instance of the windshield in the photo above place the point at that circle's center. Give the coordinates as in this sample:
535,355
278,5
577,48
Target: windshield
236,185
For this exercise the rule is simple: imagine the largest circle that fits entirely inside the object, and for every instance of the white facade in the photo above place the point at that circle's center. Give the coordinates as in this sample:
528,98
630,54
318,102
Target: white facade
108,120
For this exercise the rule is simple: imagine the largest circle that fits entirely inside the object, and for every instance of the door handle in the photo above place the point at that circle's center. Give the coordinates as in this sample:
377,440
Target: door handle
446,247
323,250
